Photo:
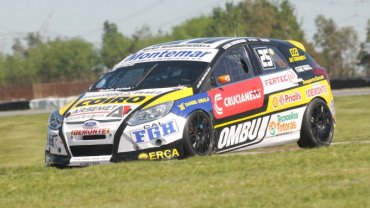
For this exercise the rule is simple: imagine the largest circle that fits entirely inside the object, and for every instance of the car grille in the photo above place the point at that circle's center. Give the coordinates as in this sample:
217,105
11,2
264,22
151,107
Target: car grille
91,150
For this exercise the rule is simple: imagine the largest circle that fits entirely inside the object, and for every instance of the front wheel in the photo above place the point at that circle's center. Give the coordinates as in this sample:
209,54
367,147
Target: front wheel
317,125
198,134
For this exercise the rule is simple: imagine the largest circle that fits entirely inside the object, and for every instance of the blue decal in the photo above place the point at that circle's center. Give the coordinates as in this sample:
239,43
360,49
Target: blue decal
185,106
156,131
90,124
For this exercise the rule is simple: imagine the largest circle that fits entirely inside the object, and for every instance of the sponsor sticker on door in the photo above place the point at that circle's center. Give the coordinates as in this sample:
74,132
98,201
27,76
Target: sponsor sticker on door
237,98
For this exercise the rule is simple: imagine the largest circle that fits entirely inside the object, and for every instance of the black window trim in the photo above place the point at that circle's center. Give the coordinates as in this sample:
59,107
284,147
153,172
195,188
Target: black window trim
249,62
255,58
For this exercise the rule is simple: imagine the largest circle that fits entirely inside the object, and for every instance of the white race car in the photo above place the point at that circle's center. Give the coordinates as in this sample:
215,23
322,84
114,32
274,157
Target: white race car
196,97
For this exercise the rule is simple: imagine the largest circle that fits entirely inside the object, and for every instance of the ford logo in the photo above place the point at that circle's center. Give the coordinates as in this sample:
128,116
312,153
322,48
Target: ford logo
90,124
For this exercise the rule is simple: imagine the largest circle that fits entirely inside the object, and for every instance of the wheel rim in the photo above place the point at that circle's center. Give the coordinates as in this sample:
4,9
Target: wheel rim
321,124
200,135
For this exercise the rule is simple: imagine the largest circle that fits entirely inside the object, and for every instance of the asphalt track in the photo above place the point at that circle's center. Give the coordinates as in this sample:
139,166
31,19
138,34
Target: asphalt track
349,92
336,93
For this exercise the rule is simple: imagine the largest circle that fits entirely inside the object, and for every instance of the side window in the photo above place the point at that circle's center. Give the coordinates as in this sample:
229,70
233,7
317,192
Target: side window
297,57
234,64
270,58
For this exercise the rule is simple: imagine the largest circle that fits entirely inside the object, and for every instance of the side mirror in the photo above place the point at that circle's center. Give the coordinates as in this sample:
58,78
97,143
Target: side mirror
223,79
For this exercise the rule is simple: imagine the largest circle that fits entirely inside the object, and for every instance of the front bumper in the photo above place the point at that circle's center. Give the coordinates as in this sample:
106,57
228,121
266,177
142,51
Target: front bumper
173,150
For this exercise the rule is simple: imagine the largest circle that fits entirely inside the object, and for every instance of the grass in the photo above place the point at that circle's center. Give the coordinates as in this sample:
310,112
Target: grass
353,118
337,176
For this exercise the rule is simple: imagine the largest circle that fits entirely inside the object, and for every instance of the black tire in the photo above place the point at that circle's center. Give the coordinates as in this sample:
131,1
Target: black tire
317,125
198,134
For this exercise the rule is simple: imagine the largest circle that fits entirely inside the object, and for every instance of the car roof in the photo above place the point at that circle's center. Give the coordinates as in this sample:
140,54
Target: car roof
212,42
209,44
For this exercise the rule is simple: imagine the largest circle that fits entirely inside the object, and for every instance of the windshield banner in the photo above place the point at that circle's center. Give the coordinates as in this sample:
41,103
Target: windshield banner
204,55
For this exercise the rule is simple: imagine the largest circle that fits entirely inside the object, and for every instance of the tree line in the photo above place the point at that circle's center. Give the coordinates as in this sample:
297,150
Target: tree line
34,60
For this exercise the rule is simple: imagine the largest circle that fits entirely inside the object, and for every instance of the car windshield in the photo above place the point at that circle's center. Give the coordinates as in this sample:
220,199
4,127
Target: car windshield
152,75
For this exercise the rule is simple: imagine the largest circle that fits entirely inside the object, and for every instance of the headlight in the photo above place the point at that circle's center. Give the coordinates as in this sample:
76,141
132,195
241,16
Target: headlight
150,114
55,120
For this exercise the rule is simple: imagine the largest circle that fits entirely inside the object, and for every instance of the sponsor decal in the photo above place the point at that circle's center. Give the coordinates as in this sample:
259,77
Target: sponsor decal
184,105
83,132
265,57
287,117
242,97
105,93
315,79
233,43
84,117
286,99
303,68
251,131
316,90
281,127
111,100
294,52
289,76
295,55
203,77
173,54
279,81
218,110
173,46
91,110
284,122
120,111
160,154
155,131
237,98
160,54
99,111
113,93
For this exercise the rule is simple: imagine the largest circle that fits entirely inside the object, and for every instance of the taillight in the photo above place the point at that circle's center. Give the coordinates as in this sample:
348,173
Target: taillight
321,71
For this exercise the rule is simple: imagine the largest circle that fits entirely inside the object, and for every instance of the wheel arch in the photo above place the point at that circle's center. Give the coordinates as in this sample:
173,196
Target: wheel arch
210,117
312,100
307,137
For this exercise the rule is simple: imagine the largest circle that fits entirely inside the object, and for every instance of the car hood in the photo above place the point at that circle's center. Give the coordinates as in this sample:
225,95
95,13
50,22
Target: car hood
113,105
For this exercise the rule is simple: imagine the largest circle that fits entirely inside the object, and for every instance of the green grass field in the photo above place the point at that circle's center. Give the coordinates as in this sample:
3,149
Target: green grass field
338,176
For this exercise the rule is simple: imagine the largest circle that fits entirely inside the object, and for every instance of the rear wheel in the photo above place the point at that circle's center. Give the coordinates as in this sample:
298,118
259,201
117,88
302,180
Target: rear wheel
198,134
317,125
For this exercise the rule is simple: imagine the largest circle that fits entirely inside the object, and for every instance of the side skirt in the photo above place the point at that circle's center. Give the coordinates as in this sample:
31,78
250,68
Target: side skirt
282,139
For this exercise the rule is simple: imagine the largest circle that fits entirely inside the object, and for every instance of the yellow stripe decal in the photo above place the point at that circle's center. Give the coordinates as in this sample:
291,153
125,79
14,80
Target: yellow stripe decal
176,95
63,109
297,44
273,104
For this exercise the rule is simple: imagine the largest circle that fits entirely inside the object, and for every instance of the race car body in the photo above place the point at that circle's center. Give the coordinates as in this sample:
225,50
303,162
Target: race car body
196,97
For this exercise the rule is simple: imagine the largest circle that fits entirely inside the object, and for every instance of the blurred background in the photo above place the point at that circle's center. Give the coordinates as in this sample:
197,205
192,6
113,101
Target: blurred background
52,48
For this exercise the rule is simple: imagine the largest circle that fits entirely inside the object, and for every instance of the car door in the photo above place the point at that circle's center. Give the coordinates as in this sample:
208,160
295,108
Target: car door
236,93
235,90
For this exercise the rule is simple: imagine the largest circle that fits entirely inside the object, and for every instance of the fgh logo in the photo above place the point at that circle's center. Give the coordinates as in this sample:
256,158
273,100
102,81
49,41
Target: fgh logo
154,132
